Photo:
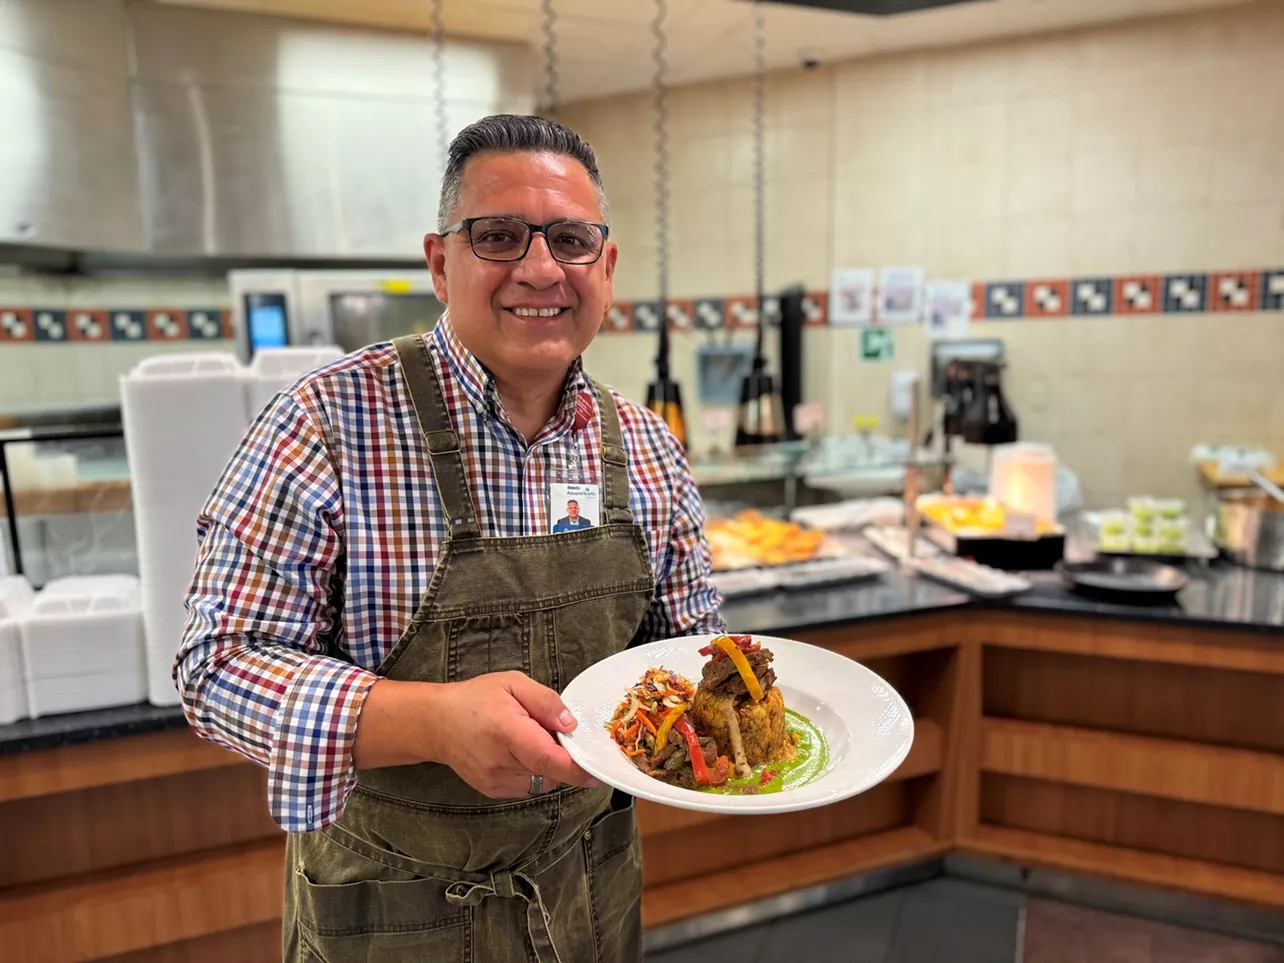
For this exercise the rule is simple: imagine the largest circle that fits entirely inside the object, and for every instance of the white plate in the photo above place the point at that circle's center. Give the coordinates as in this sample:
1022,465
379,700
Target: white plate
865,722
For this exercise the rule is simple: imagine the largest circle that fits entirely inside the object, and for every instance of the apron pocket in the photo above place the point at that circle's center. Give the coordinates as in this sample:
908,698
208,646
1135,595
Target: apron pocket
614,858
373,921
488,643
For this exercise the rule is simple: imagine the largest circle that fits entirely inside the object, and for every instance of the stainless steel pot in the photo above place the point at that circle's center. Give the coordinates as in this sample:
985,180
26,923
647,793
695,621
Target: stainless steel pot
1248,525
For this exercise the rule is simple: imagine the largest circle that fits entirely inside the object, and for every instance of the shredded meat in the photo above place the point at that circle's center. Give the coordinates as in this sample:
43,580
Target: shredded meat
723,677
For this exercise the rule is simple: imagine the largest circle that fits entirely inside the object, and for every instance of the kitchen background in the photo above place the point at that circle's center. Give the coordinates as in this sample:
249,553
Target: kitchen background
1146,150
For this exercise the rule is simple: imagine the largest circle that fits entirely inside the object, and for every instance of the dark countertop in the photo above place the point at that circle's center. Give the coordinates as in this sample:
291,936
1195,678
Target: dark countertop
1218,596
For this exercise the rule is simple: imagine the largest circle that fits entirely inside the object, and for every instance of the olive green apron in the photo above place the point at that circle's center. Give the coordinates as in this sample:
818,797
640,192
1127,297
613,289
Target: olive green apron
421,866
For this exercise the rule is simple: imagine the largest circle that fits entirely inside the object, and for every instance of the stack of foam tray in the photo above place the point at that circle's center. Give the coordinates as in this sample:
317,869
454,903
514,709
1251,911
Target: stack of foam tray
184,416
15,601
274,369
82,645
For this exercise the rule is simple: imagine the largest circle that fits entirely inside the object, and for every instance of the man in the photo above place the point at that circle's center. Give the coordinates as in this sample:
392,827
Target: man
375,619
572,519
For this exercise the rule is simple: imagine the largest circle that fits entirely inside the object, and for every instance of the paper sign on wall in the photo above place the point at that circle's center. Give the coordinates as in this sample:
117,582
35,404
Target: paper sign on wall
809,417
878,344
851,296
717,421
900,295
949,309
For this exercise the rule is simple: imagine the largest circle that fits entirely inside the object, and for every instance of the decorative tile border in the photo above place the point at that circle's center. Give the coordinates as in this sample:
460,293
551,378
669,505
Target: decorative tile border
55,325
1007,300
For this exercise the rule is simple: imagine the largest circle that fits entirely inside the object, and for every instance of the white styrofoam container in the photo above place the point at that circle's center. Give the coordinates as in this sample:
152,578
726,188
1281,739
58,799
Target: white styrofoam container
82,645
15,601
80,693
184,415
274,369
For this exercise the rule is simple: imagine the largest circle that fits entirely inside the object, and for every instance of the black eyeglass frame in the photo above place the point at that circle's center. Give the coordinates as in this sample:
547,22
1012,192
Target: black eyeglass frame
466,224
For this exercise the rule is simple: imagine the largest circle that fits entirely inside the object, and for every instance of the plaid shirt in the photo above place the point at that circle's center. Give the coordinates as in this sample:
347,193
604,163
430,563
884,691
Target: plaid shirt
324,530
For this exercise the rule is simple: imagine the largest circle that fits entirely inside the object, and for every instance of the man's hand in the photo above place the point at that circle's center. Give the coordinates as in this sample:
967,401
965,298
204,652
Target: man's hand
495,731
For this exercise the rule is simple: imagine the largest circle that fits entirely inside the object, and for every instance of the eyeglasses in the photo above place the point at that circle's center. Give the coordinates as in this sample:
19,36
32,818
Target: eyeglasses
509,238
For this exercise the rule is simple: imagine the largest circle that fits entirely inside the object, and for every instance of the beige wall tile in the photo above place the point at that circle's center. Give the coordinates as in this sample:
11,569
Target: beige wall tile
1179,109
18,376
1037,245
1248,345
893,85
1103,243
1232,409
968,191
1248,171
1172,175
1173,239
1106,115
971,132
1123,53
970,75
1245,235
799,228
1105,180
1040,127
972,248
1039,188
1044,66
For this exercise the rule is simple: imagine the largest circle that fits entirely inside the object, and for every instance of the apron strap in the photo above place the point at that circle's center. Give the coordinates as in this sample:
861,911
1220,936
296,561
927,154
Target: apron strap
444,448
615,461
510,885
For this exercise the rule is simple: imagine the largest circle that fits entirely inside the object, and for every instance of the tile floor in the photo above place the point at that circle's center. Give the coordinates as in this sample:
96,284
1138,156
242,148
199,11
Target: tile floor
956,921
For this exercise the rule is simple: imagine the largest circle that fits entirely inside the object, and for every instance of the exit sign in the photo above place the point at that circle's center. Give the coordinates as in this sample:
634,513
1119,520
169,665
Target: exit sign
877,344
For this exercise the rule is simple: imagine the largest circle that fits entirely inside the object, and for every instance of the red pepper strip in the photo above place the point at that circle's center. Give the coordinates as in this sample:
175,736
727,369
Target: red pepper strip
767,776
702,774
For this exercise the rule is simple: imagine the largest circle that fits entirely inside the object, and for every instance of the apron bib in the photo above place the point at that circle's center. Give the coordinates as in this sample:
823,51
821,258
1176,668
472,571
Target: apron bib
421,867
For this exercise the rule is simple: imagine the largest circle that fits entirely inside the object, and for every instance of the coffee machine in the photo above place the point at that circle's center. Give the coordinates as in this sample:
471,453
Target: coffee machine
967,380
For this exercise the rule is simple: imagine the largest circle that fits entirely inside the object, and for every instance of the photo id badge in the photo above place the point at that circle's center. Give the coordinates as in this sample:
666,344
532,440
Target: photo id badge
574,505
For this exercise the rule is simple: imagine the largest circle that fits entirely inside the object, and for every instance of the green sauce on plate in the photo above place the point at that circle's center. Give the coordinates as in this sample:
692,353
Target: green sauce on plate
810,762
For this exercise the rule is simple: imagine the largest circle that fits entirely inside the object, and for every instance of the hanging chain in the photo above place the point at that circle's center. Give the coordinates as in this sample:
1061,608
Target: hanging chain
438,27
550,98
661,126
759,163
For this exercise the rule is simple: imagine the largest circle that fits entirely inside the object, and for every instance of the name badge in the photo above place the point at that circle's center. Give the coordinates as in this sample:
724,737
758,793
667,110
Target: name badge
573,506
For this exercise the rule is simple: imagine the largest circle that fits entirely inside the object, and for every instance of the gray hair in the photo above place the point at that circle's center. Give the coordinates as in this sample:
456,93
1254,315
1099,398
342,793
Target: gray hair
510,134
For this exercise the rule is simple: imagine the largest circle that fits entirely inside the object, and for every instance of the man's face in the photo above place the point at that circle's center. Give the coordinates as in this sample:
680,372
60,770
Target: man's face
483,295
573,510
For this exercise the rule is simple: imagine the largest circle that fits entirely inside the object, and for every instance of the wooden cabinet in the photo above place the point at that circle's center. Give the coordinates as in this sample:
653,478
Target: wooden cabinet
1144,753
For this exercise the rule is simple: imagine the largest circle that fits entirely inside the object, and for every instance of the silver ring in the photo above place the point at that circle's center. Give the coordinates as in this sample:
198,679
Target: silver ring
537,784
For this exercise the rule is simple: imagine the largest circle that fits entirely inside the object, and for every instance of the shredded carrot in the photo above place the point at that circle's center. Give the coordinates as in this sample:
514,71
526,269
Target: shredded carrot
647,722
631,731
633,752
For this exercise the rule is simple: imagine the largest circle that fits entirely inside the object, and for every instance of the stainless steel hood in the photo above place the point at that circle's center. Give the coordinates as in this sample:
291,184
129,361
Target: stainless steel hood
181,132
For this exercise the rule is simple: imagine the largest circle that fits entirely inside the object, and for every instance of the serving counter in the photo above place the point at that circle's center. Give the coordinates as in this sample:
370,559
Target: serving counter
1138,745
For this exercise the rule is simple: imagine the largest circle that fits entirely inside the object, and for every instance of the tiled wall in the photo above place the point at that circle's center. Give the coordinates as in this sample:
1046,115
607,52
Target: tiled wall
1137,165
66,341
1122,169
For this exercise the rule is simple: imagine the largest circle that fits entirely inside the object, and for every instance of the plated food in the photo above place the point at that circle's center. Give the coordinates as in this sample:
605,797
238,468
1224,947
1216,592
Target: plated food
853,728
751,538
729,734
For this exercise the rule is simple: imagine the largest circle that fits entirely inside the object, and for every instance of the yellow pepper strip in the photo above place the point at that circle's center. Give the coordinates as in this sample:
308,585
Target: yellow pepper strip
725,643
662,734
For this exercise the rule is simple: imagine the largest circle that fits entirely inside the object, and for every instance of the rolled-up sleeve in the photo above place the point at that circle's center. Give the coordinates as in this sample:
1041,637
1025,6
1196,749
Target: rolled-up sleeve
686,600
252,669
